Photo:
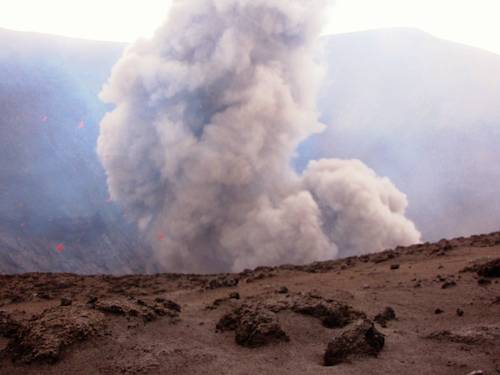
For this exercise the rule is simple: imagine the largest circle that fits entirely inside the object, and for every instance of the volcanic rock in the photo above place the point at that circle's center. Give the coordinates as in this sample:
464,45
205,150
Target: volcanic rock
8,326
332,314
282,290
448,284
147,310
385,316
489,269
254,326
222,281
66,301
360,339
43,338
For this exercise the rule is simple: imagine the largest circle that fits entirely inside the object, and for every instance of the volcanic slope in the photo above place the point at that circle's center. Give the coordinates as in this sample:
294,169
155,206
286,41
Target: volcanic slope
429,308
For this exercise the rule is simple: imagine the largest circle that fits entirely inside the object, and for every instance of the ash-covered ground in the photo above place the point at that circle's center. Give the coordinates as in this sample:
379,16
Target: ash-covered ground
430,308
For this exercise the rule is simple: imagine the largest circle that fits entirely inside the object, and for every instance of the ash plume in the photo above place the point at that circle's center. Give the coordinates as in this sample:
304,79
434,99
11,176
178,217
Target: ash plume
208,114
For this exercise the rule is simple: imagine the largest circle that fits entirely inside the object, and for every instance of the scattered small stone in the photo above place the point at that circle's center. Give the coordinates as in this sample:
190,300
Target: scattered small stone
282,290
168,304
234,295
440,278
216,303
394,266
438,311
43,295
483,281
448,284
460,312
66,301
385,316
359,339
92,300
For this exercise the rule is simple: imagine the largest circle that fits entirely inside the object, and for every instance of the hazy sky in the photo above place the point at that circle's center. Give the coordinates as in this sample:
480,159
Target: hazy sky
473,22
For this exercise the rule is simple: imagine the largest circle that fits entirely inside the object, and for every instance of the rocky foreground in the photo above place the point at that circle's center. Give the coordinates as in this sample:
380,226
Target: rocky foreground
424,309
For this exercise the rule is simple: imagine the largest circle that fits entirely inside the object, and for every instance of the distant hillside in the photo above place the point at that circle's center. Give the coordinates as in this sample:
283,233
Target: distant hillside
423,111
49,123
50,178
420,110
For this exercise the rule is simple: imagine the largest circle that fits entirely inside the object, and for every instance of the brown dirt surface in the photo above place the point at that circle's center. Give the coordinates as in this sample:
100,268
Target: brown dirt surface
373,314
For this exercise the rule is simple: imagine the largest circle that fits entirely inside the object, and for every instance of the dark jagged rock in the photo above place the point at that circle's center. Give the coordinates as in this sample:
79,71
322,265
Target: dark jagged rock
234,295
387,315
222,281
282,290
260,273
216,303
360,339
332,314
483,281
145,309
219,301
448,284
66,301
254,326
43,338
8,326
383,256
117,306
489,269
168,304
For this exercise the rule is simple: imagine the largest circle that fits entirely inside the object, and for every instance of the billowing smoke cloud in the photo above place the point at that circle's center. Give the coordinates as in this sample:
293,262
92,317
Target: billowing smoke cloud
208,115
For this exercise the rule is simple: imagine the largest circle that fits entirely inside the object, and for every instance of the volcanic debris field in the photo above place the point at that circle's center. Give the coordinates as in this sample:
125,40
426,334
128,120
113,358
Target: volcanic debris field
428,308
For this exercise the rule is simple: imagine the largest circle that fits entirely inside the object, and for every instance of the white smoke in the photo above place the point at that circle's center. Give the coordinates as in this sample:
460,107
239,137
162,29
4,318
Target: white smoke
208,115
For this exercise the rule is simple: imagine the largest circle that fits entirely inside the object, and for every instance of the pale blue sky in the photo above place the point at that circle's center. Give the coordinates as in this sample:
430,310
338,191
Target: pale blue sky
473,22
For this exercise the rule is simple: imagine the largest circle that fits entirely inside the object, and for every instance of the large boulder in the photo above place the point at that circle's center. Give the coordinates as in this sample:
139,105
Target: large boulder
254,326
359,339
